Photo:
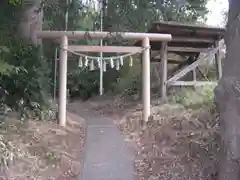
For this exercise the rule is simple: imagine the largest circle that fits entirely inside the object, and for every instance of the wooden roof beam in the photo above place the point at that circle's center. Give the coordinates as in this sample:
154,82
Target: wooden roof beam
170,61
186,49
196,40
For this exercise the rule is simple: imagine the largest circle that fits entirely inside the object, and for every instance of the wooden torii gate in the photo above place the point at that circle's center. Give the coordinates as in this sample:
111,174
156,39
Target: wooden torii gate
65,36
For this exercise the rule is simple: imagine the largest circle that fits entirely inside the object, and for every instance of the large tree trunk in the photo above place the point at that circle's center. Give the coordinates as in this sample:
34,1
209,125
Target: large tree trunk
31,22
227,95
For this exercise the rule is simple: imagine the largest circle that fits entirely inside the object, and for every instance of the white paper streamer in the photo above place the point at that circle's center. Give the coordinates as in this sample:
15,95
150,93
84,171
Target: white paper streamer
104,66
99,62
121,61
80,62
117,65
92,68
111,63
86,61
131,61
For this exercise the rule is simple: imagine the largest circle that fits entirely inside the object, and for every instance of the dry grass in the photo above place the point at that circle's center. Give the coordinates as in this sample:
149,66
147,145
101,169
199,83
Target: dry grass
45,151
176,143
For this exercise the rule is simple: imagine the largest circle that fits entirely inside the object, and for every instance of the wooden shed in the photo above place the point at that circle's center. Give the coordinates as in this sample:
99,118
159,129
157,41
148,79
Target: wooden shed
188,41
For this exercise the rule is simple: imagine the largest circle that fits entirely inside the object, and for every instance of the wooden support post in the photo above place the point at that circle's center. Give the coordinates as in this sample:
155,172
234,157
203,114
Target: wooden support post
55,74
164,71
63,82
218,61
194,75
194,72
146,79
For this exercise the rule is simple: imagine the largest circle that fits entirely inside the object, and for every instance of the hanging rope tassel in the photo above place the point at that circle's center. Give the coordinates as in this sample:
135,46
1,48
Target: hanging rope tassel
131,61
111,63
80,62
99,63
121,61
104,66
92,68
86,61
117,65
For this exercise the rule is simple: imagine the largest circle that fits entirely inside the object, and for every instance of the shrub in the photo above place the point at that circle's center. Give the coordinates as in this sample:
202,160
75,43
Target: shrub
190,98
25,82
129,79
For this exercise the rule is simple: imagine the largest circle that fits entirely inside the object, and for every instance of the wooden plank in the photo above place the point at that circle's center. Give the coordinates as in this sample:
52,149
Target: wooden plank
170,61
186,49
107,49
164,70
202,74
177,25
218,61
191,83
185,70
194,73
192,66
197,40
189,61
171,55
196,30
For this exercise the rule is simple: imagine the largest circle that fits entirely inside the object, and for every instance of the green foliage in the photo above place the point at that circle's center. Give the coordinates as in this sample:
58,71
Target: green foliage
25,87
138,15
190,98
208,71
14,2
83,83
5,68
118,16
129,80
51,157
23,74
23,71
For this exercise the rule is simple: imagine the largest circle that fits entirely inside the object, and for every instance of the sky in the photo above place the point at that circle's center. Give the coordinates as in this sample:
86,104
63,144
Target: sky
216,8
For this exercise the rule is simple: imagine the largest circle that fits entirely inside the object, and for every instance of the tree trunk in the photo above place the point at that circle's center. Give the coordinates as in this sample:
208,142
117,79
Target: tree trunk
31,22
227,95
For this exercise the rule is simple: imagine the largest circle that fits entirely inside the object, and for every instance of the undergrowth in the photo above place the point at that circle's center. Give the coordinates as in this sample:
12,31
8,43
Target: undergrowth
8,152
181,139
193,98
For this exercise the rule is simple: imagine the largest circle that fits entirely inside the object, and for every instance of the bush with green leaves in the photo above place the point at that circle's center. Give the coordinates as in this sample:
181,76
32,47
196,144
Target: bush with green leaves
193,98
83,83
24,78
129,79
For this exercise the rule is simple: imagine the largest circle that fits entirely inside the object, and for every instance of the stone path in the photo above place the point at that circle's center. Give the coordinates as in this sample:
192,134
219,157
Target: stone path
106,155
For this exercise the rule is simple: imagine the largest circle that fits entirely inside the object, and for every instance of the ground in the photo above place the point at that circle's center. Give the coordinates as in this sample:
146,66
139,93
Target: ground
179,142
44,150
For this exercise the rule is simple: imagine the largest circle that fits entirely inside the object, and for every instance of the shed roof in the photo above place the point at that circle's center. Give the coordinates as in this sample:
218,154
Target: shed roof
186,35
